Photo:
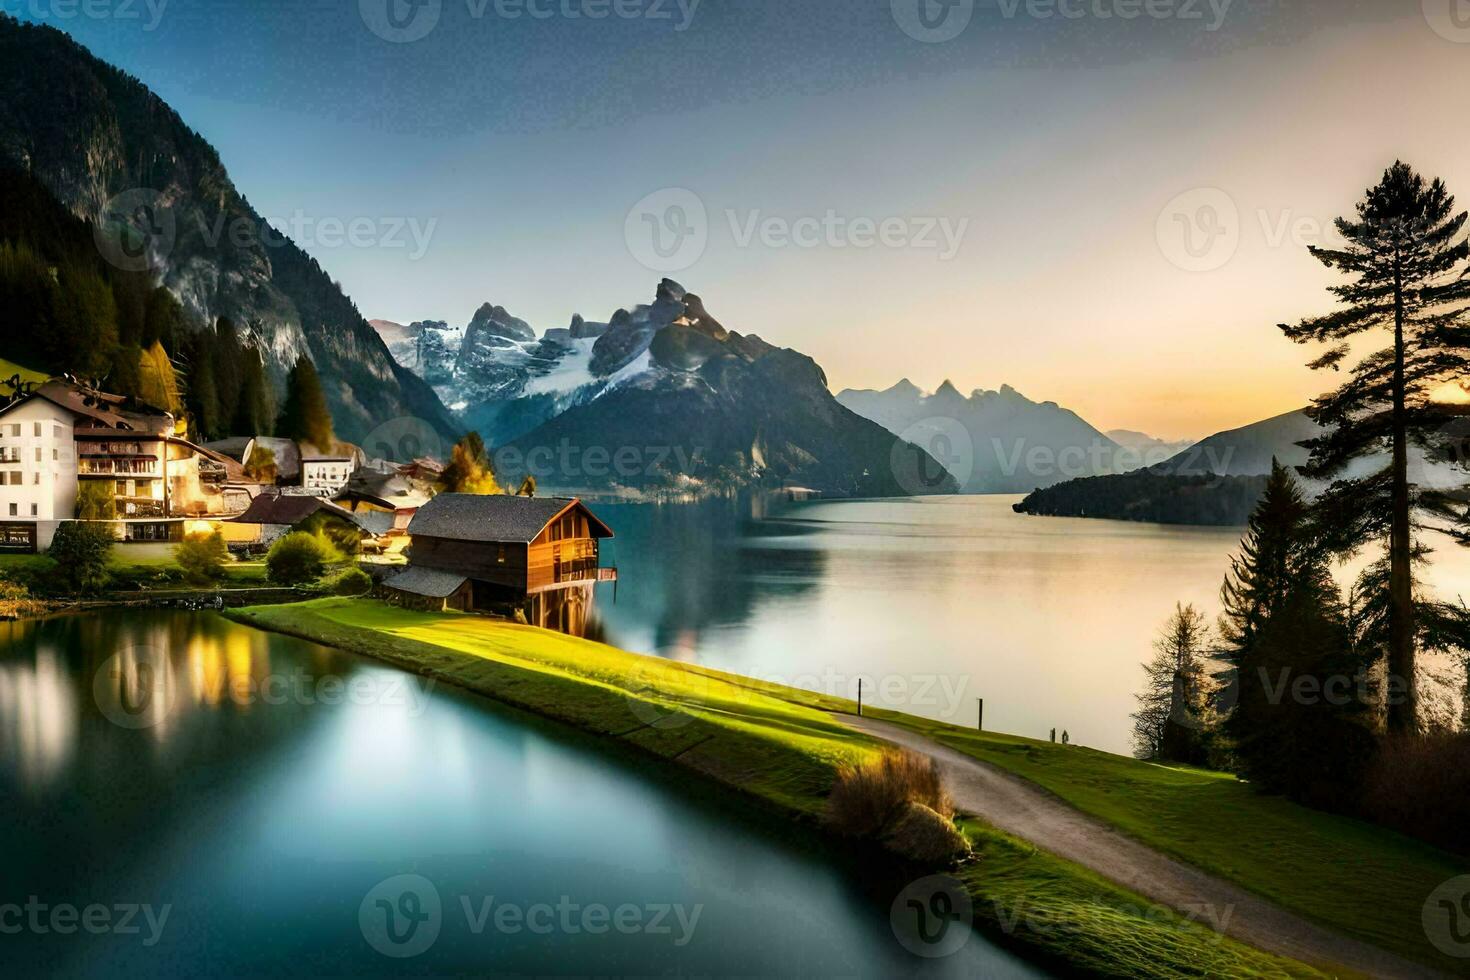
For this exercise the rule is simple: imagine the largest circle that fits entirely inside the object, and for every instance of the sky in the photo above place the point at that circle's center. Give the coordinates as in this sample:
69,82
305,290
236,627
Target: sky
1103,203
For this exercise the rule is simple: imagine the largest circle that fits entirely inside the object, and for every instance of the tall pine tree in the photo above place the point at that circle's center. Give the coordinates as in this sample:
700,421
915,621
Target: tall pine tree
1401,258
304,416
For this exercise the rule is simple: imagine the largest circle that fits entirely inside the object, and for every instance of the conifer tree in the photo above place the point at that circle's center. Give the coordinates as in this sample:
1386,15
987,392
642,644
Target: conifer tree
1298,720
1401,257
304,416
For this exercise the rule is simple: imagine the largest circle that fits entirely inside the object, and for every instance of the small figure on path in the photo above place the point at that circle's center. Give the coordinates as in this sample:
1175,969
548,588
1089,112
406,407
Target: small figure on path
1066,739
1053,735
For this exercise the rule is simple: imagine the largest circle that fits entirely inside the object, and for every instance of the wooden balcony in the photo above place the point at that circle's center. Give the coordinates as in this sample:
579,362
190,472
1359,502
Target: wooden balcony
568,573
119,467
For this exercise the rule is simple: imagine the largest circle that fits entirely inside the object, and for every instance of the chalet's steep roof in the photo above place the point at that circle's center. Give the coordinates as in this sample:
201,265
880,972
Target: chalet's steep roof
427,582
290,510
99,408
468,517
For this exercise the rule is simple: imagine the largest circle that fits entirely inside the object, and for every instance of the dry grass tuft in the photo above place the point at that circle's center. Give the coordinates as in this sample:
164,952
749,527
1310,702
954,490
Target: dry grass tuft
867,798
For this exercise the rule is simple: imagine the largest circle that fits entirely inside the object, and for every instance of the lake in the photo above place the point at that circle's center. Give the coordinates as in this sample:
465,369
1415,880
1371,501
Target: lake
934,602
185,796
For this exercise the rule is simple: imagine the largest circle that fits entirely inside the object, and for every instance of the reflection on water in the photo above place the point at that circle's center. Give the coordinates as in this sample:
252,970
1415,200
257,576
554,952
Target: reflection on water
932,602
263,788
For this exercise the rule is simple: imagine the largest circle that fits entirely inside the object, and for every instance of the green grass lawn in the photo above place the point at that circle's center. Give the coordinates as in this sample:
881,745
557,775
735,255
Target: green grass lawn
780,745
1093,925
1354,877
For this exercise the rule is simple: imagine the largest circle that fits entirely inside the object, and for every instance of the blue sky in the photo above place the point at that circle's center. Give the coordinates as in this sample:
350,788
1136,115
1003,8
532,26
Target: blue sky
994,207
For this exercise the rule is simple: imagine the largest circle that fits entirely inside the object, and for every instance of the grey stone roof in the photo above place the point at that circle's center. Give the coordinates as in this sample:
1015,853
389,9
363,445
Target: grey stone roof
426,582
467,517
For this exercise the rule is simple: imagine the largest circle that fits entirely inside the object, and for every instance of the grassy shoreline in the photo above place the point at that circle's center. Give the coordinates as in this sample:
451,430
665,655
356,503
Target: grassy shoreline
779,748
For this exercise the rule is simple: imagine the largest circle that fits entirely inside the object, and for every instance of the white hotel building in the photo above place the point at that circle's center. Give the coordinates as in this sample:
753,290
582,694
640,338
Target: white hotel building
62,435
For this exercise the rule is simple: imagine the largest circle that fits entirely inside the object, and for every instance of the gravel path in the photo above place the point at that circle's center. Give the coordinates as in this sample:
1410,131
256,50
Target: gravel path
1028,812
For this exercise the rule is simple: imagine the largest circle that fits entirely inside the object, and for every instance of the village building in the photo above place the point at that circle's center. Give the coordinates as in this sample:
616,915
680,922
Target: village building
384,503
535,557
62,441
299,467
273,514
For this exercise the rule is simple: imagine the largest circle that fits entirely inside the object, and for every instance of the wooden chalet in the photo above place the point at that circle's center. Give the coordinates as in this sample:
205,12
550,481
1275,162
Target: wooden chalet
539,556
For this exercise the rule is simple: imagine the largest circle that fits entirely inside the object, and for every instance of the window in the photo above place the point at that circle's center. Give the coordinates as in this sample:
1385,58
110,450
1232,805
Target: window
37,480
122,488
38,430
13,478
35,510
14,510
55,454
56,432
15,429
38,454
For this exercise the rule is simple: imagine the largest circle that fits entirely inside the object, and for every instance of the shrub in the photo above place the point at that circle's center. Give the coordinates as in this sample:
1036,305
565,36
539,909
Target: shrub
298,558
16,601
351,581
867,798
1420,786
82,551
202,557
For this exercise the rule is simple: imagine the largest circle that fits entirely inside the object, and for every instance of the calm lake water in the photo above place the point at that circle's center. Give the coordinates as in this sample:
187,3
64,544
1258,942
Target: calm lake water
935,601
258,809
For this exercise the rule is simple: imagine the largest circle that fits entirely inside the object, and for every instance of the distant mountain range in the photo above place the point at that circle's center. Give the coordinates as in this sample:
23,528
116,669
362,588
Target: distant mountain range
661,398
111,151
999,441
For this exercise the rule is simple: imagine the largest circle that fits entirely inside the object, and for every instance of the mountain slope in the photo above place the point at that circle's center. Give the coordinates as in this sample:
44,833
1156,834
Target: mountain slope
1248,450
676,403
994,441
116,155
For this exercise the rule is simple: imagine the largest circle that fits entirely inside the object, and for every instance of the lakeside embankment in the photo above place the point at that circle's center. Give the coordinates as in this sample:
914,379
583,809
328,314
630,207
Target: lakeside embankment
781,747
